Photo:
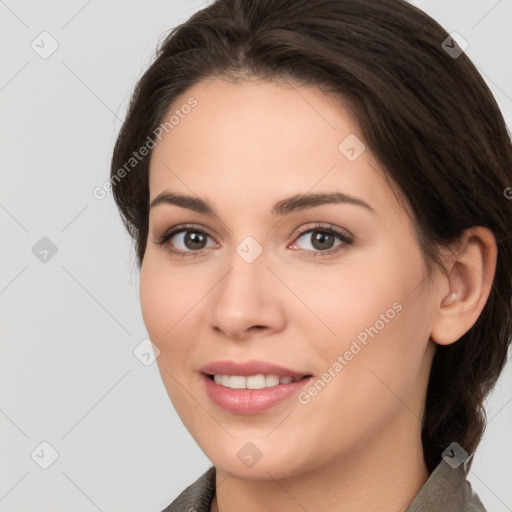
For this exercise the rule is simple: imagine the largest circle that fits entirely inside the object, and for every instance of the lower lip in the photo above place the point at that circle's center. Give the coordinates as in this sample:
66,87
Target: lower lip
251,401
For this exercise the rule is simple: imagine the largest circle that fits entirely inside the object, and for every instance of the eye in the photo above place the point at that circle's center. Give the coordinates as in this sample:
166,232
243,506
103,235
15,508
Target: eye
189,240
322,239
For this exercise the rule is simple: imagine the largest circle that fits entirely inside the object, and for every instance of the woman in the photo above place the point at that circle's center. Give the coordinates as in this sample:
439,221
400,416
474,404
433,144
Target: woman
317,194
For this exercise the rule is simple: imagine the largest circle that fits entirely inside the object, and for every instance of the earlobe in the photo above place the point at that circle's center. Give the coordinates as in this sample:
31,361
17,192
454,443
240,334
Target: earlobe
471,269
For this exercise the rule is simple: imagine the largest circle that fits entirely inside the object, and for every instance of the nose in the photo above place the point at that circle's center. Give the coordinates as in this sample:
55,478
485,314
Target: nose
247,300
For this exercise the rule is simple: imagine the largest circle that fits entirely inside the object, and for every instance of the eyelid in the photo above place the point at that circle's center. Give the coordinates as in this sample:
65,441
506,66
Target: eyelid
183,227
320,226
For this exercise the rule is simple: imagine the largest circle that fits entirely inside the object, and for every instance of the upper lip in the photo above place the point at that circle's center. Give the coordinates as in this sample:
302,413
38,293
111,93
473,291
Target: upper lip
249,368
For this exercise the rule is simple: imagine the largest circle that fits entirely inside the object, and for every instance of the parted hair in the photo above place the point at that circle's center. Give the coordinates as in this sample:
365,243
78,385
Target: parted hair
422,108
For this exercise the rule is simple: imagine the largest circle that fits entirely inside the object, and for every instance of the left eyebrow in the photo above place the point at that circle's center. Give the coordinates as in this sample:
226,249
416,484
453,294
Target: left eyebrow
284,207
304,201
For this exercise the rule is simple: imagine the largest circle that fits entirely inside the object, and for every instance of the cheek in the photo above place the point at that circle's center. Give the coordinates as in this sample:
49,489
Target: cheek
167,309
166,297
390,324
172,301
347,299
373,311
154,300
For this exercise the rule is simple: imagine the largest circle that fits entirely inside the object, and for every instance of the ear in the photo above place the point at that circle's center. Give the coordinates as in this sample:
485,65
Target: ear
466,285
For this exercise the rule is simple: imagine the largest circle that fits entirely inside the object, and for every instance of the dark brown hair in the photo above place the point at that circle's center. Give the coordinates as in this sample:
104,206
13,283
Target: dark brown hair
427,116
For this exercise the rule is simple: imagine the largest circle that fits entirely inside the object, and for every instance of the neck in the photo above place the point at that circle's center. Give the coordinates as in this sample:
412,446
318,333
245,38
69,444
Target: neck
386,477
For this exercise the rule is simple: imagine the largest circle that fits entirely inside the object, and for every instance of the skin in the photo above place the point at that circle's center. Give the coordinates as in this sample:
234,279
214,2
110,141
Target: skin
356,445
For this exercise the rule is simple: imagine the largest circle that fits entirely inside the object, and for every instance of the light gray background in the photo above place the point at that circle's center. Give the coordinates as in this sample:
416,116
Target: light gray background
69,326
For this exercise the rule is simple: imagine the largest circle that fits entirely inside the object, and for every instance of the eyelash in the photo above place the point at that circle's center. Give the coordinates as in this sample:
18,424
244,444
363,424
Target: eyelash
345,238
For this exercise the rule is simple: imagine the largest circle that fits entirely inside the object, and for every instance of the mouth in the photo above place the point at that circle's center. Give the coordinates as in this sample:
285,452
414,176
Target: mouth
250,395
250,387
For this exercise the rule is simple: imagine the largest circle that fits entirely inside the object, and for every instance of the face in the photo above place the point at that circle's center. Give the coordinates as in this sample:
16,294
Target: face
331,289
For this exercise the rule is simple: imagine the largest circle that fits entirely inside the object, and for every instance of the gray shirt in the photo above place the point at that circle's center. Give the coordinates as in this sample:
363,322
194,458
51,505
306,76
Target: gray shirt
446,490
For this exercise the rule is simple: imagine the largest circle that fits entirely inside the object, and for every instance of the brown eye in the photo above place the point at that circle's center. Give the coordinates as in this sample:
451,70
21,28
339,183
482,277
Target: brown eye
323,240
185,241
194,240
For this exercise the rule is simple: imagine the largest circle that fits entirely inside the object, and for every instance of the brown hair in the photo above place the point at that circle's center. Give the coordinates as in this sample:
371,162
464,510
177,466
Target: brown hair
427,116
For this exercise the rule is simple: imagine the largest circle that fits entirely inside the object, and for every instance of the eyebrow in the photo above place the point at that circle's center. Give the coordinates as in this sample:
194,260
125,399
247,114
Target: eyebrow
286,206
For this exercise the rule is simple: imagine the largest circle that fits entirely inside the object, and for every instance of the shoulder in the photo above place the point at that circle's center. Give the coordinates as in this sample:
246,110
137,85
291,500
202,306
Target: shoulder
197,497
447,490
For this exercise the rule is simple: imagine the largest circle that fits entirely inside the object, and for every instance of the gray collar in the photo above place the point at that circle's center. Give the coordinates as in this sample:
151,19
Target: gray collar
446,490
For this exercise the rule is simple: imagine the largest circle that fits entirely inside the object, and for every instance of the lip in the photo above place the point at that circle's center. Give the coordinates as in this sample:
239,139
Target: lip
250,401
253,367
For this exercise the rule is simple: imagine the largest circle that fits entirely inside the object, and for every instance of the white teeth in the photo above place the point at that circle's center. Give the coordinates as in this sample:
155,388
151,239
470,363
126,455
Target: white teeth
237,382
254,381
259,381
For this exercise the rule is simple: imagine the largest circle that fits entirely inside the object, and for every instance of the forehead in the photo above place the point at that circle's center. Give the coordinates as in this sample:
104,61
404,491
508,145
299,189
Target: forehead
249,142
